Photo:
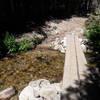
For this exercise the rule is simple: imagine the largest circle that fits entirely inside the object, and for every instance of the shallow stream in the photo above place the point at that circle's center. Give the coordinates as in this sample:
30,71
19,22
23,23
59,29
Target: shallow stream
18,69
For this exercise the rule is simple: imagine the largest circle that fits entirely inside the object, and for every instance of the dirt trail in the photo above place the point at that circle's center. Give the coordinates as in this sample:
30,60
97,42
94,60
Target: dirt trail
58,29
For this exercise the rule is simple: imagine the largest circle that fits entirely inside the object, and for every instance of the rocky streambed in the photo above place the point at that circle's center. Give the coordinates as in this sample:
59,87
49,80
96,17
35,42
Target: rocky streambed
18,69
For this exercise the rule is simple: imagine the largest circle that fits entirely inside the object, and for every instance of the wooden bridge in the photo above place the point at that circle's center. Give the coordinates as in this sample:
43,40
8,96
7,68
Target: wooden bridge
75,64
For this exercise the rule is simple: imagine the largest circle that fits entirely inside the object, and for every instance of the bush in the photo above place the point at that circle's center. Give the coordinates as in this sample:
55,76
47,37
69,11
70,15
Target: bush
9,42
12,46
92,33
93,20
23,45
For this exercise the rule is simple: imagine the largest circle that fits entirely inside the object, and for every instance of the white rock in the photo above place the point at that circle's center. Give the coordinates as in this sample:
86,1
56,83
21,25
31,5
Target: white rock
56,32
39,83
61,48
7,93
28,93
63,51
48,93
51,92
83,47
56,47
60,44
41,90
82,43
57,86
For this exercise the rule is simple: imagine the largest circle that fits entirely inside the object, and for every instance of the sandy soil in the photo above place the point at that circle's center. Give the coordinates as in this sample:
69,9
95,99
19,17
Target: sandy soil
59,29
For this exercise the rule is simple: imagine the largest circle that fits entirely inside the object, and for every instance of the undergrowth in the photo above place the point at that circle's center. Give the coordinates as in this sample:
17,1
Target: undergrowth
92,33
10,45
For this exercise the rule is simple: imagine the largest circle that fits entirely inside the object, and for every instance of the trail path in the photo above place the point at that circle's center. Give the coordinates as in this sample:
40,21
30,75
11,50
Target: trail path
58,29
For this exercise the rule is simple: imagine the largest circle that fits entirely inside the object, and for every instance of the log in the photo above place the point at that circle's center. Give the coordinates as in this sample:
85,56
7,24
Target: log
7,93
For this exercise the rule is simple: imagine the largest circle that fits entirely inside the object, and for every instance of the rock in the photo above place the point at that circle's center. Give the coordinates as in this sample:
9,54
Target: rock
28,93
61,49
59,44
7,93
14,97
49,93
83,44
40,90
56,47
30,37
39,83
83,47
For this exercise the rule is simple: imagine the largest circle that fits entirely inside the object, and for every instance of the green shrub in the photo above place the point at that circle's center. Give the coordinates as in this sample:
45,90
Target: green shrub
92,33
26,40
12,46
93,20
9,42
24,46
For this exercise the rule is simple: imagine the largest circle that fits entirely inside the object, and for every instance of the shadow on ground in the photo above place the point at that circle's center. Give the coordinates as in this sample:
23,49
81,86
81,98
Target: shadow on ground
89,88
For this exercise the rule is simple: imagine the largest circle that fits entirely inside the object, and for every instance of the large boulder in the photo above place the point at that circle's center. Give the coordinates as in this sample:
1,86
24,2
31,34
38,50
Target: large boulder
41,90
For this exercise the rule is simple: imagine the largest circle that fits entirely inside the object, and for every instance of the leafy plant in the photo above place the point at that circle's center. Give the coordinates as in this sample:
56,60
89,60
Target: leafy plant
24,46
92,33
93,20
9,42
26,40
12,46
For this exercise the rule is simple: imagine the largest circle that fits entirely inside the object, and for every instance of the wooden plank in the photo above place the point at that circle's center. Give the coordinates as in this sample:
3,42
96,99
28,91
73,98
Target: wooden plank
70,67
75,62
82,68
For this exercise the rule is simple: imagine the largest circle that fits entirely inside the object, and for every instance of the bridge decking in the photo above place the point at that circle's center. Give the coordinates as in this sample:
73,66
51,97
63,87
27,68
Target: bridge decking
75,62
